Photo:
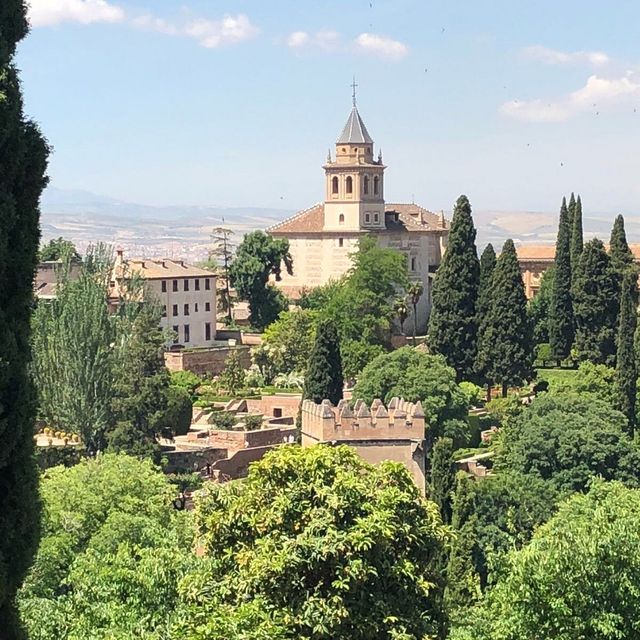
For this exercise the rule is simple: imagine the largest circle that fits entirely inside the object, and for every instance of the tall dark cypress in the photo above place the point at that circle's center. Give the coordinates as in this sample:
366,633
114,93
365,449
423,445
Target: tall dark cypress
453,328
443,476
487,266
324,378
621,256
626,372
595,305
577,240
572,209
560,309
506,349
23,160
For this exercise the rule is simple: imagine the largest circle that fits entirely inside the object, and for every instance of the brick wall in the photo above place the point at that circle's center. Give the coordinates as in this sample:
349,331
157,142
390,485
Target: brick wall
203,361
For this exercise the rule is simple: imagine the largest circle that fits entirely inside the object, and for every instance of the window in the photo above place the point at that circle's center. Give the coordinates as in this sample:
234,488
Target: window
164,286
186,285
413,264
277,412
186,309
164,310
187,337
365,185
341,218
175,334
175,285
341,242
195,309
349,184
334,184
367,218
207,306
196,284
175,310
376,217
207,331
207,284
376,185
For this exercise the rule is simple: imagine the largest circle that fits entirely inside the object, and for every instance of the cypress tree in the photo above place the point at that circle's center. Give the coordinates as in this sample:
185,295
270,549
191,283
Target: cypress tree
23,160
577,241
453,328
572,209
443,476
621,256
506,349
595,305
626,372
324,372
560,310
487,266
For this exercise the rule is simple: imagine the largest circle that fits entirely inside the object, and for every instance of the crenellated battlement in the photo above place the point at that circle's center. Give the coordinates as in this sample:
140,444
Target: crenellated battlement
400,420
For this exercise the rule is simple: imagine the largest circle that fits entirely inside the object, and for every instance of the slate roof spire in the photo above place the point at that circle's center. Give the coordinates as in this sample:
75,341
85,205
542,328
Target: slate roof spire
354,131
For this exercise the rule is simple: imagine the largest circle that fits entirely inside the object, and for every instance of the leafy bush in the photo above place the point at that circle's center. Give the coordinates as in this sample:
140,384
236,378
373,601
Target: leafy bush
544,353
252,422
186,380
474,394
177,418
223,420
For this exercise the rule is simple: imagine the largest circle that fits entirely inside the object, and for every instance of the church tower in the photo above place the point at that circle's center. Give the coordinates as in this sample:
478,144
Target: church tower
354,180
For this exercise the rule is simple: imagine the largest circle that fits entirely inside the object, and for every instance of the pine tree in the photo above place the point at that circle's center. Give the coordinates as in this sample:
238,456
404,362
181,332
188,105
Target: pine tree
506,350
577,241
443,476
621,256
595,305
560,310
453,323
23,160
626,372
324,372
487,266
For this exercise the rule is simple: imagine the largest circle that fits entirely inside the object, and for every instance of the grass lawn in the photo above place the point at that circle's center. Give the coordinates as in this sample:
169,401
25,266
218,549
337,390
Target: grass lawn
557,376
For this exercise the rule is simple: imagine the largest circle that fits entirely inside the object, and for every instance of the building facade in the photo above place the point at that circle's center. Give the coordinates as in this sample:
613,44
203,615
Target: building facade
322,237
187,296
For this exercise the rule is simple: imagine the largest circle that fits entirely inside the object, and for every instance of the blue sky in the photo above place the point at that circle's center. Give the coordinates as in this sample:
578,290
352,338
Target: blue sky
236,102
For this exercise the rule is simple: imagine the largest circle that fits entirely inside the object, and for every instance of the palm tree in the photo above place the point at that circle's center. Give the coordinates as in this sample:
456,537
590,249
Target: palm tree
415,292
401,310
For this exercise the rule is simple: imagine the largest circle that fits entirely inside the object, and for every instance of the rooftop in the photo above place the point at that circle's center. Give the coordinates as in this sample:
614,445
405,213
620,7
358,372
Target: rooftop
354,131
161,268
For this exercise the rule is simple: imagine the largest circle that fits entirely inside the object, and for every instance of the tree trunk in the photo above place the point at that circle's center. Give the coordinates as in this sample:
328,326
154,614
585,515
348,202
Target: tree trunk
488,391
504,389
415,323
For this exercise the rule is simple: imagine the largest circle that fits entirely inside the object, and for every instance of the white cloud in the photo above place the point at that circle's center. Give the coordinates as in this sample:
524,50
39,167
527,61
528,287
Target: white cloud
553,56
214,33
596,94
381,46
151,23
298,39
45,13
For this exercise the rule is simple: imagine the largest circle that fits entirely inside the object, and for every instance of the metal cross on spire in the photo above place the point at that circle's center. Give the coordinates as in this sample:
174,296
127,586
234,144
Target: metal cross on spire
353,86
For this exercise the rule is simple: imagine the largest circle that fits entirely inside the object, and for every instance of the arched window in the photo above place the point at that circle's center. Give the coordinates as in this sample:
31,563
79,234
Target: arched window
349,184
376,185
334,184
341,218
365,185
413,264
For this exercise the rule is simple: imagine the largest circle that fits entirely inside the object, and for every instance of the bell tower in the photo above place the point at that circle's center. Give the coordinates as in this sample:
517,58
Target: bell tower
354,180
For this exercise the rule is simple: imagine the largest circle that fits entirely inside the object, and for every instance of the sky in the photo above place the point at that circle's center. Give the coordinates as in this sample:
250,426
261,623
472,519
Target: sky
236,102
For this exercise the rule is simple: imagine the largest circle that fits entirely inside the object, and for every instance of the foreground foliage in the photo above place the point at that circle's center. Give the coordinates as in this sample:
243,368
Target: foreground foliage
316,544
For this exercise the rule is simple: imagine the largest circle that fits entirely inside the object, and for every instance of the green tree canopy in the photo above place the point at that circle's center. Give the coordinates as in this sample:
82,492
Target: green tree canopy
626,371
112,553
505,353
324,378
324,545
560,323
23,162
576,579
59,249
595,305
619,251
453,325
258,257
568,440
577,241
414,375
539,307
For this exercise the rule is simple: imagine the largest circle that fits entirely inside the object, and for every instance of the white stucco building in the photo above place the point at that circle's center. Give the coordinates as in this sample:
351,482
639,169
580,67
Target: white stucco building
322,236
186,293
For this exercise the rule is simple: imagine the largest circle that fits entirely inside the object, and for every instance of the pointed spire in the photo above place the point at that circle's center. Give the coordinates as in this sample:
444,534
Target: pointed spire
354,131
329,157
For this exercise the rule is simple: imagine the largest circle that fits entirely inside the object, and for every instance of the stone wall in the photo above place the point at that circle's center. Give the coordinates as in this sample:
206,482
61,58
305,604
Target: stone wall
288,405
236,440
205,361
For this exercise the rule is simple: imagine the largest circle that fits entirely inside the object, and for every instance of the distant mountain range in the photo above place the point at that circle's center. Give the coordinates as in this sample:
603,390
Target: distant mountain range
183,231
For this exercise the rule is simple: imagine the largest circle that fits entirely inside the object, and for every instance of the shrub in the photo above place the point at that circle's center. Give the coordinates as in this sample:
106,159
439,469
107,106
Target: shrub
223,420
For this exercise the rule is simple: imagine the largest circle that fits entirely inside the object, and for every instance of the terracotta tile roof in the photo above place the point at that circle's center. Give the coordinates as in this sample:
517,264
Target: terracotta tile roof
411,217
159,269
308,221
536,252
